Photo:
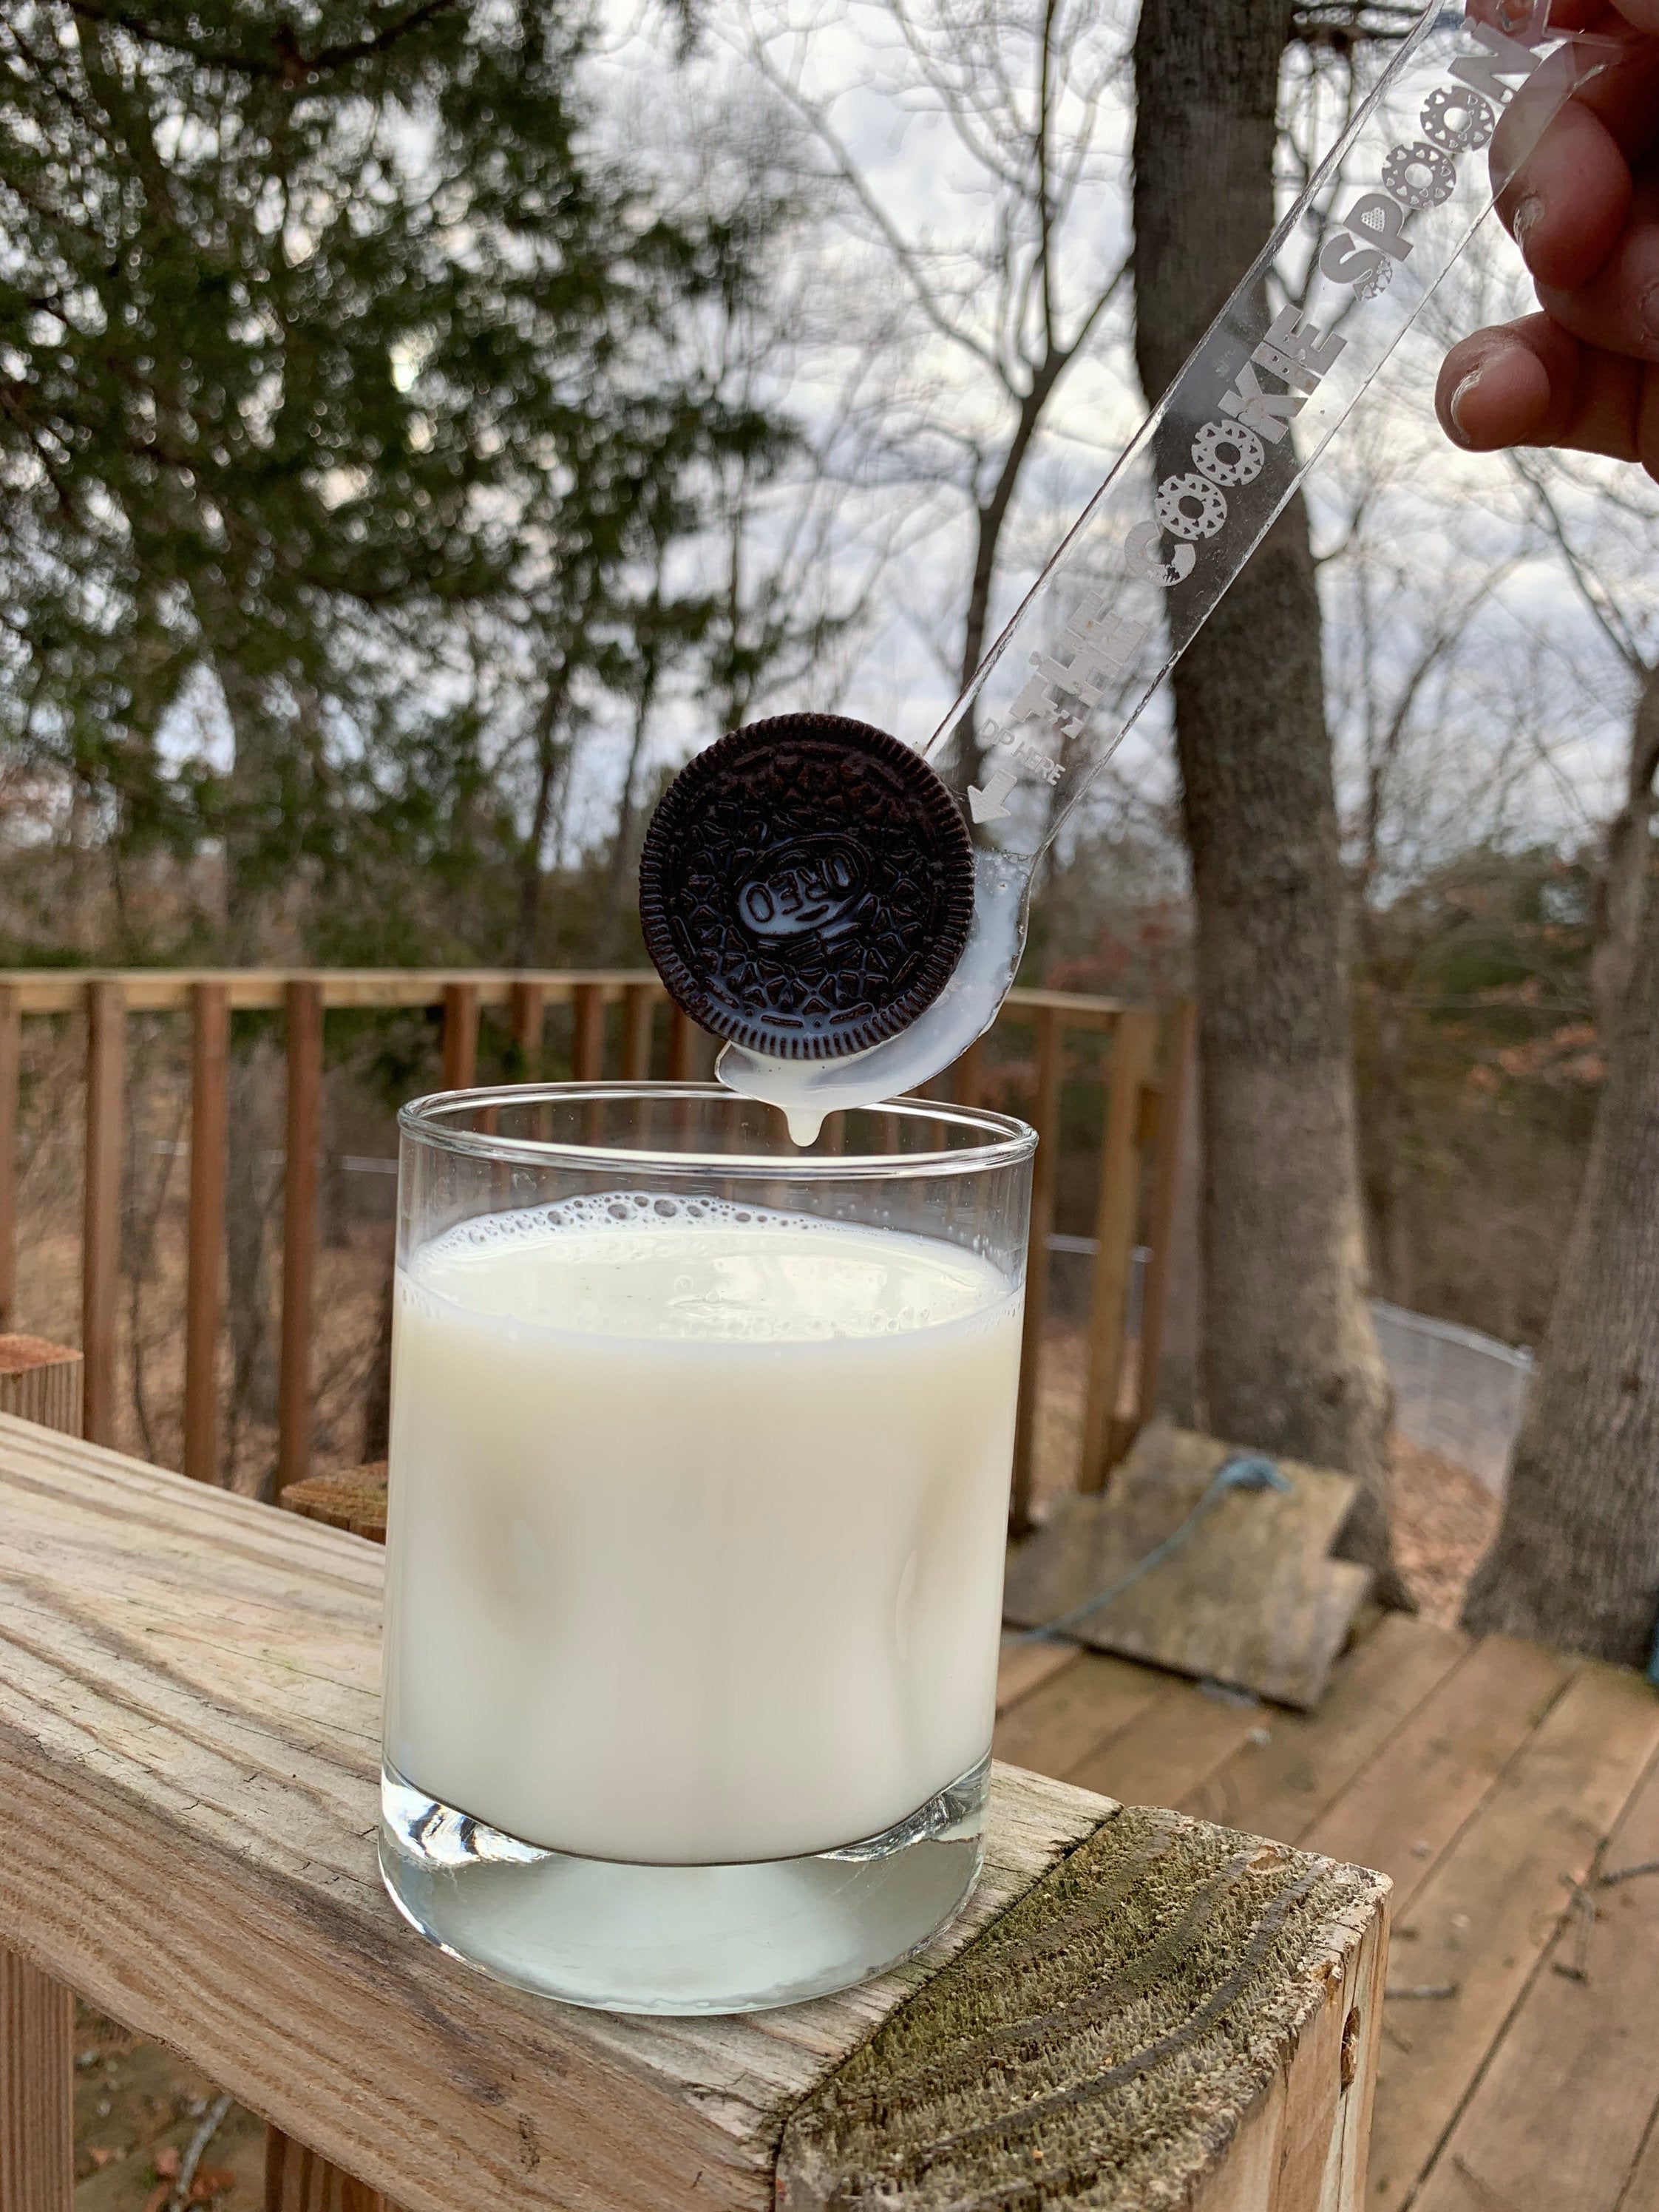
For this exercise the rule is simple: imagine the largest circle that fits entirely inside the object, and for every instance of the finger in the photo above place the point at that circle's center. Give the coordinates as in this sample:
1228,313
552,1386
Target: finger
1568,193
1566,205
1532,383
1575,15
1617,309
1494,390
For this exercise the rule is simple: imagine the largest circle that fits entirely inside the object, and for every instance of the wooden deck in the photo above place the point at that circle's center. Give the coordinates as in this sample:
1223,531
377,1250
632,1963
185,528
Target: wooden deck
1503,1788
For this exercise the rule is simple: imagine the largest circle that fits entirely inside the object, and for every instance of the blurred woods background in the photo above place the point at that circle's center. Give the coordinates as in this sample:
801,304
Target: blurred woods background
424,423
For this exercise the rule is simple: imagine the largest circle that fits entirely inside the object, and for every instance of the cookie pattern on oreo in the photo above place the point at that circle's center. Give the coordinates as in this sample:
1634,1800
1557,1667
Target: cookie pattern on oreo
807,886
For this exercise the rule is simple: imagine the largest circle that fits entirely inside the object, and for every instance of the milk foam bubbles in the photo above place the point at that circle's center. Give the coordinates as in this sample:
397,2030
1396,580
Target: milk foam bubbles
696,1525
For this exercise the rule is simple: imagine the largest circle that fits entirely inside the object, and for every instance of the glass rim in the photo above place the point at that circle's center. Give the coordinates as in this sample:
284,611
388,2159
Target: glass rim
422,1121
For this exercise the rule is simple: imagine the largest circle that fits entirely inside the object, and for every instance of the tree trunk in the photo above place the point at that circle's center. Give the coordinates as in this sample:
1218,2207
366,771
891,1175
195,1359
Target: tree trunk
1623,888
1577,1560
1290,1362
1388,1150
608,936
549,758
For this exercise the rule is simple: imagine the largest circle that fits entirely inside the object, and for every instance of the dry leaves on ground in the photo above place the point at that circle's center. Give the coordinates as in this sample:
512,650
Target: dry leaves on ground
1443,1521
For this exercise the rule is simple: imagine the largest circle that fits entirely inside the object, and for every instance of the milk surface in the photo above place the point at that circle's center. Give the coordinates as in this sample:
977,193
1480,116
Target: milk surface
696,1526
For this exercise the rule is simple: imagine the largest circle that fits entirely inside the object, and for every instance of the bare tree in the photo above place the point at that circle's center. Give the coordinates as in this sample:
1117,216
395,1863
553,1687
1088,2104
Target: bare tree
1576,1557
1291,1362
1405,618
1615,602
999,313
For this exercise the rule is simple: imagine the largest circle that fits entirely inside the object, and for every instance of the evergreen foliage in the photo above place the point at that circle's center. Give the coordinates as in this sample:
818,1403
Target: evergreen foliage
345,401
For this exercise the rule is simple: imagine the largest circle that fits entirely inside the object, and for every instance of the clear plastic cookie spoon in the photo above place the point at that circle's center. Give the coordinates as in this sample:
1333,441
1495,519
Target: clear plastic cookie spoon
1421,165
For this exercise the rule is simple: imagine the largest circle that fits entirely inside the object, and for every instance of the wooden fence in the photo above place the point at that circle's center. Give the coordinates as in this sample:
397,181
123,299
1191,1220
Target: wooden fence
1144,1074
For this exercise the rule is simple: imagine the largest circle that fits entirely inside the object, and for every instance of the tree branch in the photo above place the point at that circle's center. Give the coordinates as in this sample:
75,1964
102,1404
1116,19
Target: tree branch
286,64
1609,617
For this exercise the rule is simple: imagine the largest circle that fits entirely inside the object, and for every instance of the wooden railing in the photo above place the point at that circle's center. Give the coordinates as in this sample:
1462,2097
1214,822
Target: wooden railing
1133,2007
1144,1075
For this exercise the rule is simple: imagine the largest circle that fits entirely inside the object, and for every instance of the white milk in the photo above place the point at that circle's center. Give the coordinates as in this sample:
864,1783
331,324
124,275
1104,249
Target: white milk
696,1527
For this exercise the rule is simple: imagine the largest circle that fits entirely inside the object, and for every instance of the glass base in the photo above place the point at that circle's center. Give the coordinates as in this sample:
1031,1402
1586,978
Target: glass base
678,1939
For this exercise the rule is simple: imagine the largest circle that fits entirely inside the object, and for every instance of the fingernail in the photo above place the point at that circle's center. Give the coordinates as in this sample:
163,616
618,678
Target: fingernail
1456,409
1525,217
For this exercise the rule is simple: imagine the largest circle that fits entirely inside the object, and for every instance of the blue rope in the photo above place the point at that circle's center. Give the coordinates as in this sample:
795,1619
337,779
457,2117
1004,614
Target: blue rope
1243,1470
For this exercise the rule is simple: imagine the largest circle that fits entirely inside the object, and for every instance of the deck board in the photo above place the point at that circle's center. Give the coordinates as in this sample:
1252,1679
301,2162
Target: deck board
1412,1802
1023,1665
1486,1914
1570,2089
1073,1713
1480,1776
1282,1786
1171,1748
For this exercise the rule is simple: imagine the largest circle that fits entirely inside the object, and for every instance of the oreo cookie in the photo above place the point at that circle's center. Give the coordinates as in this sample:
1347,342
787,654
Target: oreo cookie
807,886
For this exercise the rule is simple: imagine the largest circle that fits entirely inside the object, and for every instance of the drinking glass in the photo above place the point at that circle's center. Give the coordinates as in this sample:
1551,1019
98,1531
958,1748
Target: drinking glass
700,1450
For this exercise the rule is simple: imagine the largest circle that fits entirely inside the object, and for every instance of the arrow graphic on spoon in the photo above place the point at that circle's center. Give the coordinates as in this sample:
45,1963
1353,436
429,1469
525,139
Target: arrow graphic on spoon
987,804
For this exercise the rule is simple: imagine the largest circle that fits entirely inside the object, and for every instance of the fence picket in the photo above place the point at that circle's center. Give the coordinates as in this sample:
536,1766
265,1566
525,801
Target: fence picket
969,1074
1045,1120
588,1033
101,1235
461,1047
1179,1030
682,1044
529,1014
1133,1049
639,1000
203,1284
305,1086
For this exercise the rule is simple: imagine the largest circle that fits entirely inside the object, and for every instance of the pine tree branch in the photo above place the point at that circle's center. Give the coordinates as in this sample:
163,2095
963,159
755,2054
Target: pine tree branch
286,64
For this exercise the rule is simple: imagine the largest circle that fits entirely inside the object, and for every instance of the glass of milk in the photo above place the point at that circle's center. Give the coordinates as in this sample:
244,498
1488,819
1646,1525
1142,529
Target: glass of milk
699,1460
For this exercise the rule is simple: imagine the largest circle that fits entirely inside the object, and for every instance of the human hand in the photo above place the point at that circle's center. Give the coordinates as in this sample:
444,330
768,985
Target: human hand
1584,210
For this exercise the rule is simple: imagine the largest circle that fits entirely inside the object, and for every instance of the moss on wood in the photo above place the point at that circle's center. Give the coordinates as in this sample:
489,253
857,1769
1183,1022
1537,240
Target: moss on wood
1102,2043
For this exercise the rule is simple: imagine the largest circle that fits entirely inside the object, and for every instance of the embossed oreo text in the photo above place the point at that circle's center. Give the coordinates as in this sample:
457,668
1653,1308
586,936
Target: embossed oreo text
815,887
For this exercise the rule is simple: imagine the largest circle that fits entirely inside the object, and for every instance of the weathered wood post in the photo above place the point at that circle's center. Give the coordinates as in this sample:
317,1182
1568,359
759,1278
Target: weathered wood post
38,1381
